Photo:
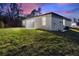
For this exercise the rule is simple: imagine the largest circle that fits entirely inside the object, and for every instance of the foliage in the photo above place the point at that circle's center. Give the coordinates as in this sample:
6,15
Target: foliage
11,14
20,42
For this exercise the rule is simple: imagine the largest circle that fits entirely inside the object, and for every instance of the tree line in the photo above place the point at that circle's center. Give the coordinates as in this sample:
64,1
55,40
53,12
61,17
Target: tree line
10,14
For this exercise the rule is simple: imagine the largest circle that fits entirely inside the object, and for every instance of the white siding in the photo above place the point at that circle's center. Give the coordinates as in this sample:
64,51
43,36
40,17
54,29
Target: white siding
68,23
47,22
41,22
44,21
57,23
23,23
29,24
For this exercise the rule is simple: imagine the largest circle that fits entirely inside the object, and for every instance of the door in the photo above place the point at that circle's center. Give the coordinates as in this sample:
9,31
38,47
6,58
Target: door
60,24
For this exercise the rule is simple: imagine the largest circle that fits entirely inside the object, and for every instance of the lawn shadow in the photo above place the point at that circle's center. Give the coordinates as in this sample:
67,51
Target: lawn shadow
73,35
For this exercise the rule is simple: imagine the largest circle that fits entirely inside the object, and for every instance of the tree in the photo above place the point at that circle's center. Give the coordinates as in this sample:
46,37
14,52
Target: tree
39,10
36,12
10,14
1,16
15,14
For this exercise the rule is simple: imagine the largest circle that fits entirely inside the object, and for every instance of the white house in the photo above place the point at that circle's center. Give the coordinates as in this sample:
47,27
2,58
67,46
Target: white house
74,23
49,21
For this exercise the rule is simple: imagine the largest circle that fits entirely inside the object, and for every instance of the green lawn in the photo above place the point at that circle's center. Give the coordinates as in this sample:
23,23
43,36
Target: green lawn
18,42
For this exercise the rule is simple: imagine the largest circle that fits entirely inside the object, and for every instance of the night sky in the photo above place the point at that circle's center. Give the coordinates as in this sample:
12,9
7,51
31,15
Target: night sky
70,10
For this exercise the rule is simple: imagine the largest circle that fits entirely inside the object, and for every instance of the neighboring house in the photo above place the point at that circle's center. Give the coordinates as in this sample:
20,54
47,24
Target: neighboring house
49,21
75,23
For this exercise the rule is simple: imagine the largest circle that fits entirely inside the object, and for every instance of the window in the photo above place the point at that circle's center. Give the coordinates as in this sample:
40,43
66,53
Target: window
24,22
32,23
64,22
78,20
44,21
60,21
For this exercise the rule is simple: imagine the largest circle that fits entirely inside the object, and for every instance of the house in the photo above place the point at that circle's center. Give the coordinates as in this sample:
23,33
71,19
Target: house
75,23
49,21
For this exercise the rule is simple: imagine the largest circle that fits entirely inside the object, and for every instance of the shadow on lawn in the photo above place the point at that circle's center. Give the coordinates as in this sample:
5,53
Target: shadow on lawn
73,35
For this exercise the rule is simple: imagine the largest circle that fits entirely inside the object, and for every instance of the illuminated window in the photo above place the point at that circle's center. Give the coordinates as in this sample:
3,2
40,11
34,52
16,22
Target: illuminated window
24,22
63,21
44,21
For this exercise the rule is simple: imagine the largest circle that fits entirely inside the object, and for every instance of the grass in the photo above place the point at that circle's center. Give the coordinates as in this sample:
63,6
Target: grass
23,42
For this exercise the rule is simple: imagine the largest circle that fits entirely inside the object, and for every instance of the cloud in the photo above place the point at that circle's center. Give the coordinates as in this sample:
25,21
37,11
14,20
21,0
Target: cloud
64,12
75,9
63,3
28,7
68,12
72,11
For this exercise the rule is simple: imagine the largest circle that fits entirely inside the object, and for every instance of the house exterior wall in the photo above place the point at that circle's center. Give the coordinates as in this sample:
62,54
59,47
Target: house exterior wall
57,23
47,22
41,22
29,23
66,23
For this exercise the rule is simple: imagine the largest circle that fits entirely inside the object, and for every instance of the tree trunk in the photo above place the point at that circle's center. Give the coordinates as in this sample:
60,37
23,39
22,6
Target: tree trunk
1,24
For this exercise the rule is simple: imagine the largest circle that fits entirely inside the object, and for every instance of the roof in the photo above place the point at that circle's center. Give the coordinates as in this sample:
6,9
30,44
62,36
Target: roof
52,14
